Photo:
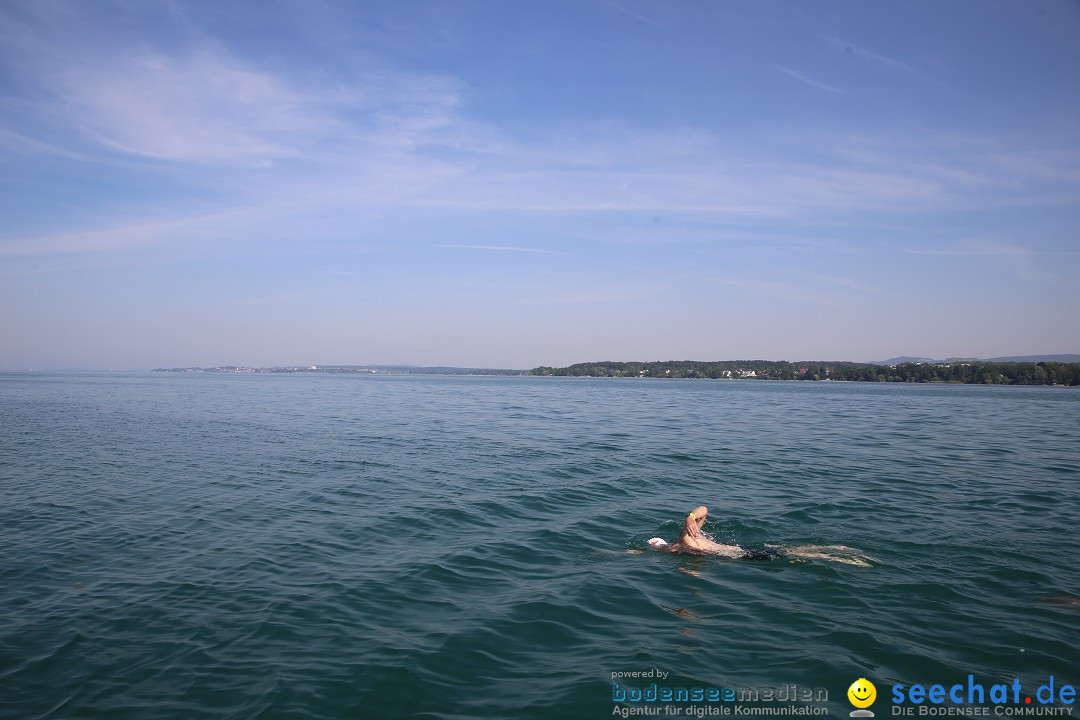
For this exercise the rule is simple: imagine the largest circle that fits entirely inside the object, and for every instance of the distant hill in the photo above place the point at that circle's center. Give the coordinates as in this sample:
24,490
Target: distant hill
902,360
1018,358
1068,358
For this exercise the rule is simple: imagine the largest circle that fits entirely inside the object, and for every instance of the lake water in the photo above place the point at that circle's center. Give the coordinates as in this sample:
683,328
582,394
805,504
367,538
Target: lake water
307,546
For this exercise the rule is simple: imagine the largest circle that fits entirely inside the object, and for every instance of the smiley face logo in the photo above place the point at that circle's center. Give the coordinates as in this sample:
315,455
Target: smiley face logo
862,693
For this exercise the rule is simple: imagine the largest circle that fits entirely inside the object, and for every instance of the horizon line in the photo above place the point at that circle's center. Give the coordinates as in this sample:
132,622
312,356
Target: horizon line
317,366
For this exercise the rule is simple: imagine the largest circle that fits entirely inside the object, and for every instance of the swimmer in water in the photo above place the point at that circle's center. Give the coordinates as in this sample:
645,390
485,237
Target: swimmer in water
692,540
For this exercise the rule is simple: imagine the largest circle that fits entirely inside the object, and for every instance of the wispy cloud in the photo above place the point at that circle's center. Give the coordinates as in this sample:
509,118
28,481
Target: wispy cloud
210,107
979,249
639,16
721,182
876,58
203,108
196,100
24,144
758,290
843,282
500,248
126,236
804,78
1026,262
590,297
286,146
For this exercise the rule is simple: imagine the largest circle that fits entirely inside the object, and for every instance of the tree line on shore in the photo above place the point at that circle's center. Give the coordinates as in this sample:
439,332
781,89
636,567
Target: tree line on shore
979,373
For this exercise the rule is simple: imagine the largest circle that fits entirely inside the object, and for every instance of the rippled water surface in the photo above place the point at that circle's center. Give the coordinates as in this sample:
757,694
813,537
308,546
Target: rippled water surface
203,546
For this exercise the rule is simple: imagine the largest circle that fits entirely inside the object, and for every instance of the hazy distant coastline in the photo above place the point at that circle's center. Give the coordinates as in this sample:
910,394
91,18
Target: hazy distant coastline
1026,370
978,372
345,370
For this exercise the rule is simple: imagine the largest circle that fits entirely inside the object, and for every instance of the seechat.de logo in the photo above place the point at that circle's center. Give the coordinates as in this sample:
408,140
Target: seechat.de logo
862,694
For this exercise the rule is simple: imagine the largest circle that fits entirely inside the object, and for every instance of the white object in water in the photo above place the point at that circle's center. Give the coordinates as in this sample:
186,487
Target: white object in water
657,542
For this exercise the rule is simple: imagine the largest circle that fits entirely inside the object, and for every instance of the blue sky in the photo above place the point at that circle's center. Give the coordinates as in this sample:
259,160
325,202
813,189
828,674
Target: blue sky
510,184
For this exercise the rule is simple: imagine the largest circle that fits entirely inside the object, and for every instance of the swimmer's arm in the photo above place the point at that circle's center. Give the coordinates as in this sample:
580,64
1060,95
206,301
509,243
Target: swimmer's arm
694,520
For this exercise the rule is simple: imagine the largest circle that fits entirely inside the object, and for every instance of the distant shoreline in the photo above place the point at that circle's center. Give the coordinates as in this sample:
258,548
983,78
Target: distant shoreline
948,373
344,370
1049,373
